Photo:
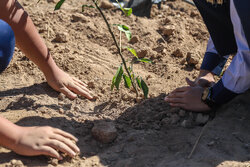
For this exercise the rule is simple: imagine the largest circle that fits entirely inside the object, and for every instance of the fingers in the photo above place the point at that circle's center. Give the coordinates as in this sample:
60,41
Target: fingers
65,134
190,83
80,82
79,89
58,145
49,151
66,141
68,93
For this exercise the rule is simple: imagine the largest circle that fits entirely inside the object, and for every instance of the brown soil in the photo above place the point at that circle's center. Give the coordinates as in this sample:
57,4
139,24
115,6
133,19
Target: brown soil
150,133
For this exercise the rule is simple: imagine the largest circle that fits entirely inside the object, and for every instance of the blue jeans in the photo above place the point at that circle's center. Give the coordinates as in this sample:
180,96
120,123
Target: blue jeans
7,45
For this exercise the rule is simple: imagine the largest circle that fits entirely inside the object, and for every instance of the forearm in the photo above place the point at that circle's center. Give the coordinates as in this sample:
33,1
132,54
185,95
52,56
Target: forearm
8,133
27,38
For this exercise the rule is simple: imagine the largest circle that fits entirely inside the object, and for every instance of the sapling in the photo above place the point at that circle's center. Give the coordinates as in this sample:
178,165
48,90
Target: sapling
128,76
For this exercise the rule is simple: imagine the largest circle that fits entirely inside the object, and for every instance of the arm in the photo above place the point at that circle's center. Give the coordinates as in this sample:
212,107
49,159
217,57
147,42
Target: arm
31,141
29,41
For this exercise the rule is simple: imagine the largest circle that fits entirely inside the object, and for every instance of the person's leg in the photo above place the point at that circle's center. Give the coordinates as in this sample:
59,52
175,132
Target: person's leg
7,45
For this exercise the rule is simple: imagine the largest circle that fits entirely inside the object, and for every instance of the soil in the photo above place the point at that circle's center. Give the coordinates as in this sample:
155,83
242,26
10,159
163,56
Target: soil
150,133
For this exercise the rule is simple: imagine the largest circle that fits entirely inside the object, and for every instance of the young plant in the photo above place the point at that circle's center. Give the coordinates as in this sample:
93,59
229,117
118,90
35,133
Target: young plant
128,75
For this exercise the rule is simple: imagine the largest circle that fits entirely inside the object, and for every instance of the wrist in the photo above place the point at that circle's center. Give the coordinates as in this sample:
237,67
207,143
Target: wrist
205,73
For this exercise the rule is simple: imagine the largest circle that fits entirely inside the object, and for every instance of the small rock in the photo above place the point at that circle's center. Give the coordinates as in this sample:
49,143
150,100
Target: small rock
61,96
168,30
142,53
54,162
61,111
211,143
104,132
174,119
187,124
106,4
61,38
16,163
166,121
159,49
177,53
134,39
78,17
91,85
201,119
77,108
192,59
182,113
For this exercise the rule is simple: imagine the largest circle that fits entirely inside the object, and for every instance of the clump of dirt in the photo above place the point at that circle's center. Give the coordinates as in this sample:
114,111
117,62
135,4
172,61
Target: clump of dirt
148,133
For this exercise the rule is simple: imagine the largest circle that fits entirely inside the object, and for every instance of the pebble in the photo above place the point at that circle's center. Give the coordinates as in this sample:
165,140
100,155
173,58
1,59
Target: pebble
174,119
16,163
61,38
177,53
182,113
61,96
91,85
106,4
192,59
201,119
61,111
79,17
186,124
211,143
168,30
142,53
54,162
134,39
104,132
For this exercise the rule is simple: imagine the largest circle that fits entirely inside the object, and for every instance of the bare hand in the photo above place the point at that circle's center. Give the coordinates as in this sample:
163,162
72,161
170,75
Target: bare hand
46,140
205,79
188,98
70,86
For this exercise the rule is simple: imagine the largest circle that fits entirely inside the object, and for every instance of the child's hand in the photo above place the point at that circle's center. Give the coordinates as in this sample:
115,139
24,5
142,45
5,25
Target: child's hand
205,79
70,86
45,140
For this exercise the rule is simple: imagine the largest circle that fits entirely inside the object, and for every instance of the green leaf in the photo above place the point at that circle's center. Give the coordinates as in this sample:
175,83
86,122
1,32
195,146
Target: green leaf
145,60
127,11
127,81
138,82
117,78
59,4
124,29
132,51
88,6
144,88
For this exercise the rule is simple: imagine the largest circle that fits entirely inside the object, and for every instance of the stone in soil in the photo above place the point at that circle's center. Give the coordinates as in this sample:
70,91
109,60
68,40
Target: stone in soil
78,18
134,39
104,132
167,30
192,59
106,4
177,53
61,38
201,119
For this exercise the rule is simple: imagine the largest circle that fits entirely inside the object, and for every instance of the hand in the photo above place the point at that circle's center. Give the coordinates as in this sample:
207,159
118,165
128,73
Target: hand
49,141
205,79
62,82
188,98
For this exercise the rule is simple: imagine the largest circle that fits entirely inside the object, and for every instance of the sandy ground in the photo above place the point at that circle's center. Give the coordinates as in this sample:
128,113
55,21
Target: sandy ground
150,133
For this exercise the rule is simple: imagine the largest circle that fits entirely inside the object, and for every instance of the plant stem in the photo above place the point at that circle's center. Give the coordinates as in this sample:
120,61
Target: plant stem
116,44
